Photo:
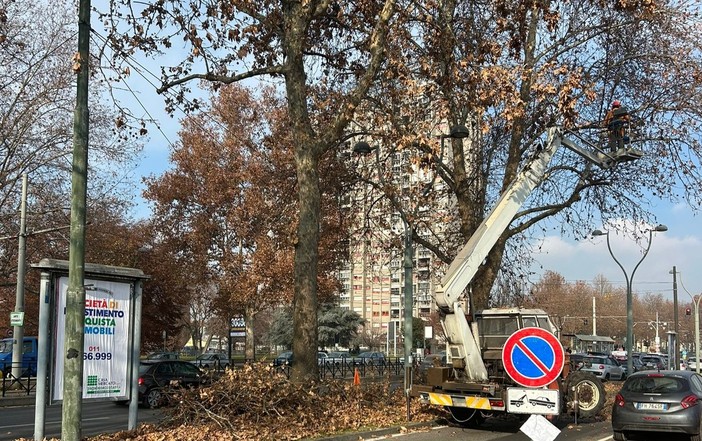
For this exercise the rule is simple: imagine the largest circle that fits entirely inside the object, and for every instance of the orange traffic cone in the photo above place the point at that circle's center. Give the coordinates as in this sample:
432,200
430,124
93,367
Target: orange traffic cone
356,378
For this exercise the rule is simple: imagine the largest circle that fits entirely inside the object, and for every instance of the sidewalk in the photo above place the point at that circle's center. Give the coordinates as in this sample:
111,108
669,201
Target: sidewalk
17,398
376,433
11,396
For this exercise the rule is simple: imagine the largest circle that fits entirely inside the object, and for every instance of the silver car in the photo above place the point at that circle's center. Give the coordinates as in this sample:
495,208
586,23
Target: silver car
658,401
691,364
604,368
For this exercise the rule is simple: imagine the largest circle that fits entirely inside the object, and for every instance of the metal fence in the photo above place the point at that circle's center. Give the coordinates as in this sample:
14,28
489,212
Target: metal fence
390,367
22,385
347,368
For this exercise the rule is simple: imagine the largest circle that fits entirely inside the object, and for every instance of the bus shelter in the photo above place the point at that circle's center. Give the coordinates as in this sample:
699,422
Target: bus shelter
112,335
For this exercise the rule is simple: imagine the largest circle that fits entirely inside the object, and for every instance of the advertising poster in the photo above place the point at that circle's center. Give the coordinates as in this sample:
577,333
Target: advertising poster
106,329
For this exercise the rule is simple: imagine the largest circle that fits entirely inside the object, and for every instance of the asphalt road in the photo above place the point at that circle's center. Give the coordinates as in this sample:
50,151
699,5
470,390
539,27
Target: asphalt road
98,417
507,428
106,417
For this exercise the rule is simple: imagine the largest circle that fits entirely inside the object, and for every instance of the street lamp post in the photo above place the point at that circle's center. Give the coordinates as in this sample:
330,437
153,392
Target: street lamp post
656,325
696,301
676,349
629,295
363,148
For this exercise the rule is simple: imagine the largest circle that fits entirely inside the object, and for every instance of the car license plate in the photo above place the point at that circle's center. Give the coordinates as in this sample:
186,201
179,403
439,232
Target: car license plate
651,406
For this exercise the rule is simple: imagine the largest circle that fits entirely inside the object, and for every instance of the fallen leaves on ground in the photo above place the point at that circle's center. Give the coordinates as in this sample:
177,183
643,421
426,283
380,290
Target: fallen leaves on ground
259,404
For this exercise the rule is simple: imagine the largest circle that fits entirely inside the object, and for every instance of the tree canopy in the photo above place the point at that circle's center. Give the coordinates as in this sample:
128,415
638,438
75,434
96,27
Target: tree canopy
506,71
404,72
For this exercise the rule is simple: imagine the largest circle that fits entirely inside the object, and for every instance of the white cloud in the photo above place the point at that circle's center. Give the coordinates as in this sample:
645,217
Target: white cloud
585,260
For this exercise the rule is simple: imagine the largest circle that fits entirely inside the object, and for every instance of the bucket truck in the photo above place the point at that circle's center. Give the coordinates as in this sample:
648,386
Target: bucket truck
499,358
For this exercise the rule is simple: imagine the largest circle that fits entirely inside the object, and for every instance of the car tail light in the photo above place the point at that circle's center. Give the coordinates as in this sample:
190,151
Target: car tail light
601,367
689,401
619,400
140,381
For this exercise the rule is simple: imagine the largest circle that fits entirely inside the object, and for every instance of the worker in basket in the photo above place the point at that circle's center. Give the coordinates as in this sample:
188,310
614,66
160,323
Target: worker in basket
615,122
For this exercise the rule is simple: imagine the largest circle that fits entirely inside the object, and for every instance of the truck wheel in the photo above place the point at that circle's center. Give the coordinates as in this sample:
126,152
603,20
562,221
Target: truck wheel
589,392
465,416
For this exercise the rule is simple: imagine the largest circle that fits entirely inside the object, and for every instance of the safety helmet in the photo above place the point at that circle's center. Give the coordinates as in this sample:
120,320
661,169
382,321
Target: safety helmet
616,103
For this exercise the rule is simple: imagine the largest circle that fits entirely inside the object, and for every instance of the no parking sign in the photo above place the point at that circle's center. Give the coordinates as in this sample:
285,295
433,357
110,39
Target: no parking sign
533,357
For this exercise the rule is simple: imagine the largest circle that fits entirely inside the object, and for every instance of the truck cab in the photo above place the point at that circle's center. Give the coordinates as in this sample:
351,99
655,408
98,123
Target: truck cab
497,324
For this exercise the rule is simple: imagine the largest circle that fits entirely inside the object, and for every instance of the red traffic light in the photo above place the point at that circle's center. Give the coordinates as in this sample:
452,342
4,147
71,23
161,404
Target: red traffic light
688,311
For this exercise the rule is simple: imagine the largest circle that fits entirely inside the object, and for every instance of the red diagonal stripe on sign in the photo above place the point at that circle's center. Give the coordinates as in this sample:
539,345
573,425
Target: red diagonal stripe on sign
520,344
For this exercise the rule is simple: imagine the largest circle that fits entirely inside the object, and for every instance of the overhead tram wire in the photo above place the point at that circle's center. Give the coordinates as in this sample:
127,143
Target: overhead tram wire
140,69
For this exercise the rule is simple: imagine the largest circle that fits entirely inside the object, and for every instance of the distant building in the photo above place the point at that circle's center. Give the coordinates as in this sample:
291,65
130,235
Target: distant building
591,343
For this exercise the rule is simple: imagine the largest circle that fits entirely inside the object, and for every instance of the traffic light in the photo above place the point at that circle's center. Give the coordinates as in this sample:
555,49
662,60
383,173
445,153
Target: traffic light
688,311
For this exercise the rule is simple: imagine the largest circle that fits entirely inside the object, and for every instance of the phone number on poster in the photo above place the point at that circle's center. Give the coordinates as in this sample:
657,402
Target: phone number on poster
97,356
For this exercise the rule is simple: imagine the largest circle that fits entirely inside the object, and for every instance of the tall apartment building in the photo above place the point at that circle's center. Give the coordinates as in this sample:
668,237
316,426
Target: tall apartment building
373,282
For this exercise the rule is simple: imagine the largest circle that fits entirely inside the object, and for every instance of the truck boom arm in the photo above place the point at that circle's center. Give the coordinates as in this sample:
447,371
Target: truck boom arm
463,337
466,264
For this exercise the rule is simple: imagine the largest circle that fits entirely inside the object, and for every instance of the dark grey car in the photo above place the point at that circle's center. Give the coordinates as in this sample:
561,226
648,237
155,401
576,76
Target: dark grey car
158,378
370,358
652,362
659,401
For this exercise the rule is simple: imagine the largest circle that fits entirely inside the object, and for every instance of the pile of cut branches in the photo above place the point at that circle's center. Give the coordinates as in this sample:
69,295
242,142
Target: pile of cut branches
255,404
261,404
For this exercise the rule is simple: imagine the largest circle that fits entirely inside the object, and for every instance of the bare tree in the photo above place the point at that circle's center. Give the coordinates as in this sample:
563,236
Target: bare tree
37,97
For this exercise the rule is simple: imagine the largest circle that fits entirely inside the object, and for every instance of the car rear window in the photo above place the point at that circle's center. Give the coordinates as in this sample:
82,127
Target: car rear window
650,360
655,384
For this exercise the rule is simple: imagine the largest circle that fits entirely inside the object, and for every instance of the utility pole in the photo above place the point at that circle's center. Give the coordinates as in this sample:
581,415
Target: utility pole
18,331
676,357
409,297
75,297
594,316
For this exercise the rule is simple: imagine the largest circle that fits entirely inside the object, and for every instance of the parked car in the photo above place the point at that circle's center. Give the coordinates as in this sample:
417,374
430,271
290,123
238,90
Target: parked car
604,368
284,358
661,401
652,362
157,378
576,360
162,356
691,364
369,358
211,360
337,358
636,364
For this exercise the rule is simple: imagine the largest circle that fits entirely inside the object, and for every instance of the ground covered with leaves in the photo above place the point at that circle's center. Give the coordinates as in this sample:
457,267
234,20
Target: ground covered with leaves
258,404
